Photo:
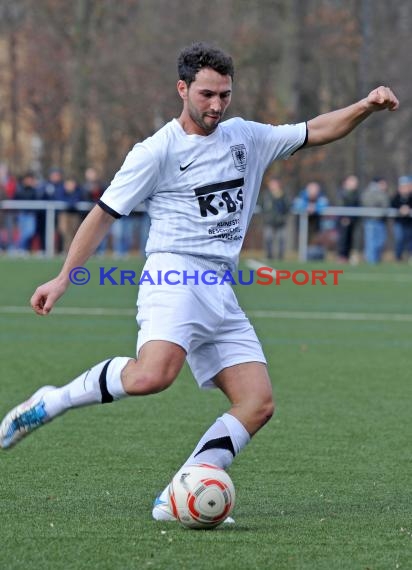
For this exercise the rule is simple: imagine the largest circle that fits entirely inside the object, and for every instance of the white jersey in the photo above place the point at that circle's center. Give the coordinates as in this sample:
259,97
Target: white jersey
200,191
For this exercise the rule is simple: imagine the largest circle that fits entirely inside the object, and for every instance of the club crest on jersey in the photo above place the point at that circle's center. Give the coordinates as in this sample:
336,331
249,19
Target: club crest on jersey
239,156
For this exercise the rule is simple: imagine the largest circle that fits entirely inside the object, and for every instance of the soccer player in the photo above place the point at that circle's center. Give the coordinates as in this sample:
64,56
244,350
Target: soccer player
199,178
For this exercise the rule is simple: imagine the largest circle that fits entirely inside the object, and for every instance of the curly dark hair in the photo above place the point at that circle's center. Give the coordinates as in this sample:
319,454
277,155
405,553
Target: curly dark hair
199,55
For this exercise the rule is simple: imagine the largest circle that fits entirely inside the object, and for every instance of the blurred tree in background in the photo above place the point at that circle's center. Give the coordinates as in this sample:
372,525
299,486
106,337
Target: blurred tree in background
82,81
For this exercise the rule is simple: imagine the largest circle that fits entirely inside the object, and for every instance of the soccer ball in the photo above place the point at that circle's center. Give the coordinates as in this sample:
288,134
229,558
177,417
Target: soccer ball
201,495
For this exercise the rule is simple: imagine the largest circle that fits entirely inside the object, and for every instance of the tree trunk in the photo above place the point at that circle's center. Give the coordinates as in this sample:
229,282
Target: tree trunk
81,86
14,103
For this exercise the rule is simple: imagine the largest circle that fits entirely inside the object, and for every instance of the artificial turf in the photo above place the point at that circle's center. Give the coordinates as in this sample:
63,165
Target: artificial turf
325,485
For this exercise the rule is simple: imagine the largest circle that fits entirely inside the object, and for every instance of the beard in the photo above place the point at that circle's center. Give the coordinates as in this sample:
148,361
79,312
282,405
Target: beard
207,123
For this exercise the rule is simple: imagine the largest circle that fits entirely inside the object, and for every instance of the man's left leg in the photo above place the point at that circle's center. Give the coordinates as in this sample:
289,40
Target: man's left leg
249,390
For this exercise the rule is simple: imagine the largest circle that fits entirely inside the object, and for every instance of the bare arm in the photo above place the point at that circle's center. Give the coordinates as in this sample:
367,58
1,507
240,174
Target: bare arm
84,244
337,124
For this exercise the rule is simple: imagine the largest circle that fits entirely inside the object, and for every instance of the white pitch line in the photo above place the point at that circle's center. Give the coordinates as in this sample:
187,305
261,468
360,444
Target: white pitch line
76,311
255,264
347,275
392,278
390,317
258,314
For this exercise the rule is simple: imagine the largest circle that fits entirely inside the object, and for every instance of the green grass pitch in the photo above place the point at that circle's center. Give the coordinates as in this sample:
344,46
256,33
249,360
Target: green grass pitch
326,485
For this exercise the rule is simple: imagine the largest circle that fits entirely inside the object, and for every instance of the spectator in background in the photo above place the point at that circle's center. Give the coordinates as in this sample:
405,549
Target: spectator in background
49,190
4,241
402,227
275,208
69,219
26,219
93,187
123,232
10,186
375,195
8,219
130,231
53,186
313,201
122,235
348,226
144,227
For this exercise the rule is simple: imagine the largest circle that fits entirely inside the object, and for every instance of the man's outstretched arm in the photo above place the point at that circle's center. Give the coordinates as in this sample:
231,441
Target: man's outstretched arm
84,244
332,126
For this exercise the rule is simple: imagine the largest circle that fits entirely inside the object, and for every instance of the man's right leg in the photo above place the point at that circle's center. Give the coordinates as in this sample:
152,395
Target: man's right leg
156,368
249,390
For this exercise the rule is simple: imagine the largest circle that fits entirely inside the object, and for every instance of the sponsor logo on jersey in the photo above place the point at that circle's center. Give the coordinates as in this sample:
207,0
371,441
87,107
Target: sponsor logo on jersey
216,197
183,168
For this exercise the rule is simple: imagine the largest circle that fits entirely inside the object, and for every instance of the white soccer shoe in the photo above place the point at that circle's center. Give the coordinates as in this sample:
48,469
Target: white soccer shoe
24,418
162,512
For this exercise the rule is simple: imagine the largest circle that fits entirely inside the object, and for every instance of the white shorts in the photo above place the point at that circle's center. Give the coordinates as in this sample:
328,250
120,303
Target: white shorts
205,320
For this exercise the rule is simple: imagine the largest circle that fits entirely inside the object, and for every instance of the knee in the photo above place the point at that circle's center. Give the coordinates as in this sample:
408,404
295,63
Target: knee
141,382
265,411
152,383
155,369
258,413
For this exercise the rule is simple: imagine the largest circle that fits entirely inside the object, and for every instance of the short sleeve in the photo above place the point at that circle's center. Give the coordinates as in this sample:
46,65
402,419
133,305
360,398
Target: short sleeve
276,142
133,183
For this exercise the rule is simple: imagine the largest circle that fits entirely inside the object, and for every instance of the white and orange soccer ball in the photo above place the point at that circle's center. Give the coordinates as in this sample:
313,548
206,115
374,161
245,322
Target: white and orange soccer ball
201,496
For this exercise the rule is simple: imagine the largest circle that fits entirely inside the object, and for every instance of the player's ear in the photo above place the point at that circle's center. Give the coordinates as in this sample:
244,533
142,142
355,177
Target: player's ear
182,89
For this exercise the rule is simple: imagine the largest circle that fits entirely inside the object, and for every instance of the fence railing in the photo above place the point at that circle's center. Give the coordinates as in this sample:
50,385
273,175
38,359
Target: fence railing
337,211
51,207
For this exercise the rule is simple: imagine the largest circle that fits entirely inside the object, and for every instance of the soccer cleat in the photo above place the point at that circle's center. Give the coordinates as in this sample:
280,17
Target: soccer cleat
162,512
24,418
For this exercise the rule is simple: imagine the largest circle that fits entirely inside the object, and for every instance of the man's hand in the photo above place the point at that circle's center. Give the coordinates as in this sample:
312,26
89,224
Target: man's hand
382,98
46,296
91,232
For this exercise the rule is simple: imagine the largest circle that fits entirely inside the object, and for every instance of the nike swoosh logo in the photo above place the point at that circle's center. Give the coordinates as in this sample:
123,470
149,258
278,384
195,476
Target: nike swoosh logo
183,168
